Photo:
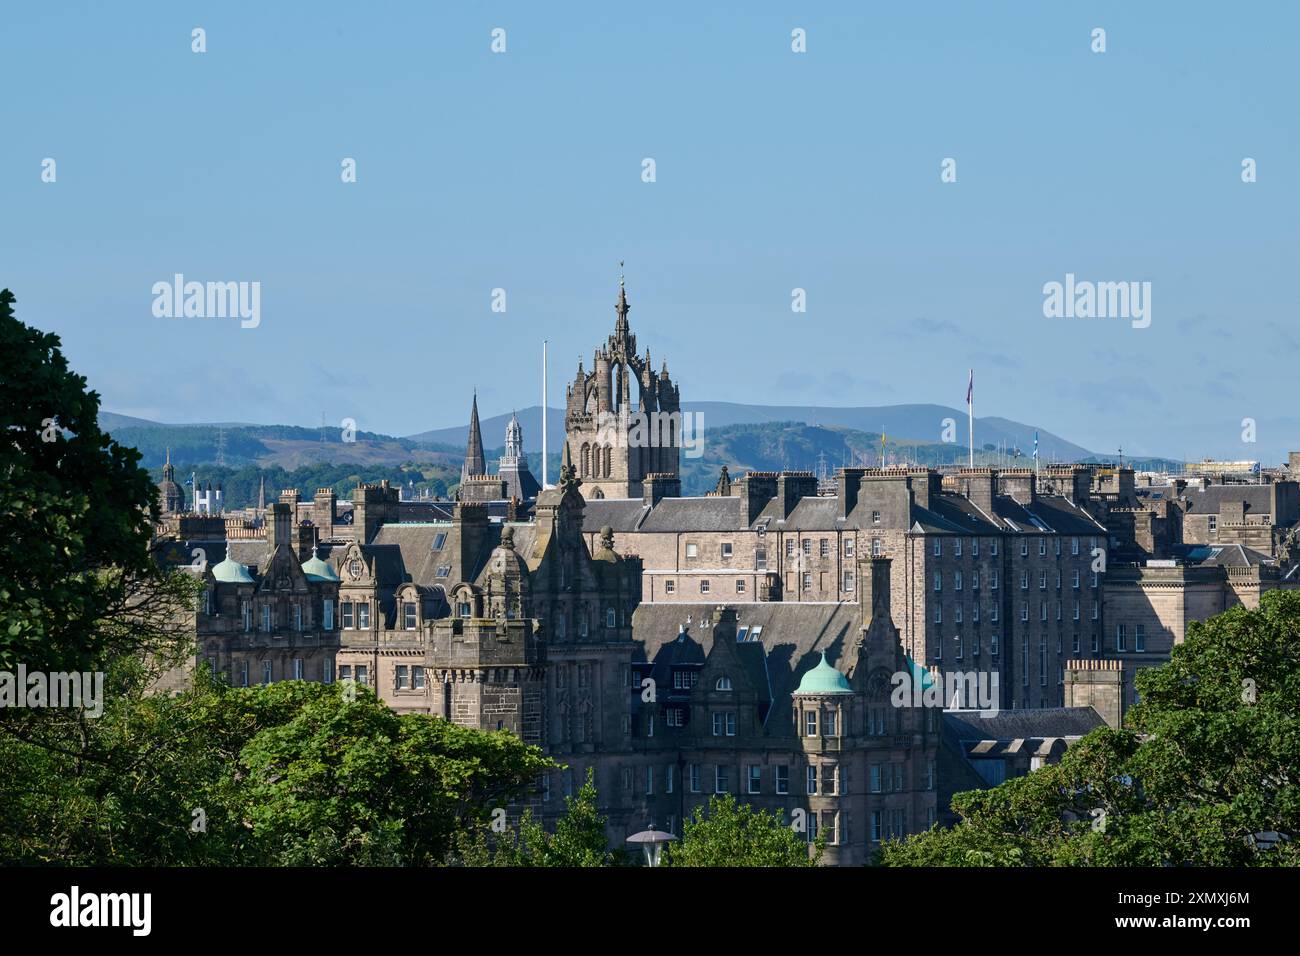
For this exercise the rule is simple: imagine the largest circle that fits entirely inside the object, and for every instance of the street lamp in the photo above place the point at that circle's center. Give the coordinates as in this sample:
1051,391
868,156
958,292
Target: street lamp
652,843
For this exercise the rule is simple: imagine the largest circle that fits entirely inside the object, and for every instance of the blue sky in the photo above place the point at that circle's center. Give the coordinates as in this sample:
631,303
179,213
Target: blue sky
775,170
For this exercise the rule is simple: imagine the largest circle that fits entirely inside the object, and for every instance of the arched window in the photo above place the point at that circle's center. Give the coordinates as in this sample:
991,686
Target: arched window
586,460
611,619
724,683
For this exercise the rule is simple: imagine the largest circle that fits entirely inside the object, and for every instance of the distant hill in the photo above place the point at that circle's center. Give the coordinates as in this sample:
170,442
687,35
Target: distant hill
917,423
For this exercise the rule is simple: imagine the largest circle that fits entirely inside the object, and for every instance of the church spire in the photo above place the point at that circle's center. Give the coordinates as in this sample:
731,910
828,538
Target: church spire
620,327
474,464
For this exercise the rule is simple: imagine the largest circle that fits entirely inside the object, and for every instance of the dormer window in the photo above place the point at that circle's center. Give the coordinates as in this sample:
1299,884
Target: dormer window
439,540
724,683
464,609
408,615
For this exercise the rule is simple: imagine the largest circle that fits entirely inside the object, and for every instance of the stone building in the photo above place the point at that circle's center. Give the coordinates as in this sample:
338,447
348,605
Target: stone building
616,445
988,574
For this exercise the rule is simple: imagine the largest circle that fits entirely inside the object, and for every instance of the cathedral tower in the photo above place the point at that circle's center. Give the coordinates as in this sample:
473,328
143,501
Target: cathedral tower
615,443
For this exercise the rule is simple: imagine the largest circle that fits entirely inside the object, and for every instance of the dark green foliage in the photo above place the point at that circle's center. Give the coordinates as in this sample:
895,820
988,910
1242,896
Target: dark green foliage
1208,762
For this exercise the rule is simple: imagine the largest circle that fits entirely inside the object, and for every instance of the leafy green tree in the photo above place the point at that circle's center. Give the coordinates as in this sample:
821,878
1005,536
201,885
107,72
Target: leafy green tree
578,841
293,773
1203,775
732,834
76,512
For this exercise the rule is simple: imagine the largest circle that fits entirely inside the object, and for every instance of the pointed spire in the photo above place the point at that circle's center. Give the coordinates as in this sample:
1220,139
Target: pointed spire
474,463
261,494
622,307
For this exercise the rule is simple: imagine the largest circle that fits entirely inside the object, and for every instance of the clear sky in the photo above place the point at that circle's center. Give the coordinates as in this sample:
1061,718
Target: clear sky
775,170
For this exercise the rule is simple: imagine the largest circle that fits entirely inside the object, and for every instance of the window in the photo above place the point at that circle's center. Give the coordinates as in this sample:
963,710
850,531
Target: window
439,540
692,549
993,614
807,580
723,683
670,777
938,581
993,547
1042,610
266,672
408,615
975,645
1042,662
627,778
674,717
812,827
1121,638
297,668
266,617
807,546
345,672
1042,546
975,613
789,547
824,548
956,580
1214,523
993,580
956,547
704,586
247,609
875,517
363,616
811,785
346,607
327,615
464,609
848,547
417,677
1024,662
849,581
1074,644
1095,643
993,644
740,585
649,780
243,673
875,826
1139,637
670,586
960,646
875,778
1024,580
782,778
724,724
1042,580
443,571
755,778
810,723
975,547
400,677
1095,610
693,773
719,779
297,617
957,614
1024,610
877,547
611,617
830,783
760,559
363,675
974,580
726,550
1093,582
327,671
938,547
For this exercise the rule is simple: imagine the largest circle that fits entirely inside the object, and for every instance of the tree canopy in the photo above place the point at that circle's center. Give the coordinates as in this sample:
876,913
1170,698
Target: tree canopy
735,834
1203,774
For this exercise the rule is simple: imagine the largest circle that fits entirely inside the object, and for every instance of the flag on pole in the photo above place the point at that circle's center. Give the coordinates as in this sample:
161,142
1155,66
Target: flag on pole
1035,446
970,387
882,449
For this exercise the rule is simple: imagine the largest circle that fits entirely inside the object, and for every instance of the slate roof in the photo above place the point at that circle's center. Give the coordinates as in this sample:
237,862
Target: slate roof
1258,498
1030,723
792,639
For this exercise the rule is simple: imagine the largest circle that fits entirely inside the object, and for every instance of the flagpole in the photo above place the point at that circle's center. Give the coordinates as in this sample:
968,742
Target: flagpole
970,412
